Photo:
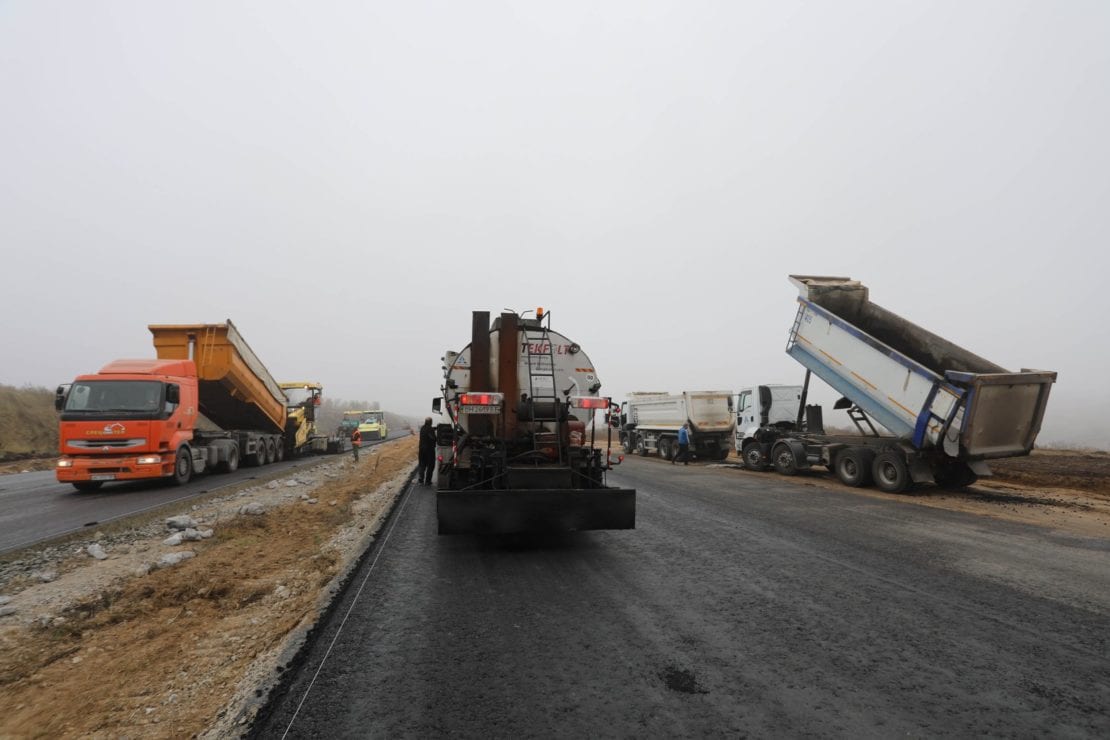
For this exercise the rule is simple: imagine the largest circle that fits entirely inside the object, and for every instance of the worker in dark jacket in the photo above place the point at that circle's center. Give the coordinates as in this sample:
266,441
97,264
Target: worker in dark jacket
427,457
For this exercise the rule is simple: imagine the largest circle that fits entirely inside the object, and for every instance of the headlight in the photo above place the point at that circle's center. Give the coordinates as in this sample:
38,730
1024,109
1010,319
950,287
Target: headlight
64,463
150,460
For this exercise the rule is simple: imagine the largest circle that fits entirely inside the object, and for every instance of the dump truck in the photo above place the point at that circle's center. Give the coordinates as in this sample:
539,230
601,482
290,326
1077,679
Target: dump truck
207,402
521,453
649,422
945,410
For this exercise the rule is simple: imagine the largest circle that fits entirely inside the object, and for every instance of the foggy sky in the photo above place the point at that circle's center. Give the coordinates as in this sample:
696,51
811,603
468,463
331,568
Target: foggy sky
347,181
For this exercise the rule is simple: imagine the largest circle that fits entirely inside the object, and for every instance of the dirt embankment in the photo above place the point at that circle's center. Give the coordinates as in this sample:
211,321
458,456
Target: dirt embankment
161,653
28,424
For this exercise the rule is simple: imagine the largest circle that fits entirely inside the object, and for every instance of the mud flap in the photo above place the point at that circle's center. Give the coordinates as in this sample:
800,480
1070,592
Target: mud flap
535,510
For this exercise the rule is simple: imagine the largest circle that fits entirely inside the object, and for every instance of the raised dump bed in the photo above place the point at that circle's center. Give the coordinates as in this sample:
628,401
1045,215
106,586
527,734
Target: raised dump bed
923,388
235,389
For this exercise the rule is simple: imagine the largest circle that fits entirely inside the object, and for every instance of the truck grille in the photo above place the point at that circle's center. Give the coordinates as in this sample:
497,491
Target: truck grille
99,444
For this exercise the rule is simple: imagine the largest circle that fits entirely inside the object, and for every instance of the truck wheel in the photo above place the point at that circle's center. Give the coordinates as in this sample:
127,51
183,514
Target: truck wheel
88,485
641,447
271,451
258,459
231,464
279,451
891,473
182,467
853,466
626,444
663,447
753,458
782,457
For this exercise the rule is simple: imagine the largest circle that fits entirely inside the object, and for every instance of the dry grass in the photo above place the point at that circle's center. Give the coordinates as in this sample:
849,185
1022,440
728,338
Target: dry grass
28,423
160,655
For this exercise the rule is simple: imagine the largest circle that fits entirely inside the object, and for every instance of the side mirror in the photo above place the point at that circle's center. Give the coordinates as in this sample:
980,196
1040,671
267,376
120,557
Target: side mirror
60,396
173,394
437,405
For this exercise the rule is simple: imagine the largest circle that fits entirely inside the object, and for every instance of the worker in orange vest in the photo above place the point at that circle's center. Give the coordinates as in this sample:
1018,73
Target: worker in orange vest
356,441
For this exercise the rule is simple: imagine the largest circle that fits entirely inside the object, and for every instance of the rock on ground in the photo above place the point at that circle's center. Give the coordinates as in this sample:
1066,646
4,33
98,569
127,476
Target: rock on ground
96,551
253,509
182,522
173,558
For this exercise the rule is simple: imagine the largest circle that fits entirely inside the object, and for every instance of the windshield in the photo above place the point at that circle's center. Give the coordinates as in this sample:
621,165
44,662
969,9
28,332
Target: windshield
298,396
371,418
115,395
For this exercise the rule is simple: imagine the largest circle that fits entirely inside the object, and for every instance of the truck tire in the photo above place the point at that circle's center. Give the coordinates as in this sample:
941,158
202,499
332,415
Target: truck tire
891,473
663,447
231,464
626,444
258,458
753,457
182,467
88,485
853,466
782,457
279,451
641,447
271,451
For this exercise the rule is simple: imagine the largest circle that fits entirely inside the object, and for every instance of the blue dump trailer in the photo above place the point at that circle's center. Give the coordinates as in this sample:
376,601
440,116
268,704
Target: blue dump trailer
946,410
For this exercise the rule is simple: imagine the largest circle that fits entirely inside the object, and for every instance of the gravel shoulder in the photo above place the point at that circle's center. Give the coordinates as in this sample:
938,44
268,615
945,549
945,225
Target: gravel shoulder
136,635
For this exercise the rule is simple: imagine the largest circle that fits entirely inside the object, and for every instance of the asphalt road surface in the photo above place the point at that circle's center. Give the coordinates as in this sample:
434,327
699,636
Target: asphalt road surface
36,507
741,605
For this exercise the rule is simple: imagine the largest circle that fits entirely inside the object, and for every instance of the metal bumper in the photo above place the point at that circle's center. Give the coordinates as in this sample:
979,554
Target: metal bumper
105,468
535,510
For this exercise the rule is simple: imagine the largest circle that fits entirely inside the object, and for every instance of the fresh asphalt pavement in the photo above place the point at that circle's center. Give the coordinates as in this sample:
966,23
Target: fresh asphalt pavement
742,604
36,507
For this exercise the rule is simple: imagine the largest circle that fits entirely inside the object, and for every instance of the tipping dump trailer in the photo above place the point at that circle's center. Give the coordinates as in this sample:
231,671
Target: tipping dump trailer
947,409
518,455
207,402
650,422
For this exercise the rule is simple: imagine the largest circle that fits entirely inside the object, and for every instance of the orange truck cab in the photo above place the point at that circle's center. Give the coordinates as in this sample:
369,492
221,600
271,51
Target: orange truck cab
206,403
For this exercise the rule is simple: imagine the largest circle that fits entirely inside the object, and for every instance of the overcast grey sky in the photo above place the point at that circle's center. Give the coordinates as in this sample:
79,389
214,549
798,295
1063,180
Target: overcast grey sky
347,181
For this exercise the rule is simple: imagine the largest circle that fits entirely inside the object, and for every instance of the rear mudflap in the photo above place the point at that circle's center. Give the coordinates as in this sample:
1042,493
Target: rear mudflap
535,510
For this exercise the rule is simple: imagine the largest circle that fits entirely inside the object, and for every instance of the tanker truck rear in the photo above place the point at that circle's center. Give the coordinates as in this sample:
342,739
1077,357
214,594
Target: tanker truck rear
521,453
207,402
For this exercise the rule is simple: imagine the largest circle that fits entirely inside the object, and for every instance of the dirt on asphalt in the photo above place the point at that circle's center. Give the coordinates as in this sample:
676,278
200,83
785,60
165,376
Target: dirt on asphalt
161,654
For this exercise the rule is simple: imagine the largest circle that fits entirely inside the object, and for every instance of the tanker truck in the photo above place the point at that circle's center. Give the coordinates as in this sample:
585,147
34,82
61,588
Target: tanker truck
650,423
521,453
945,410
205,403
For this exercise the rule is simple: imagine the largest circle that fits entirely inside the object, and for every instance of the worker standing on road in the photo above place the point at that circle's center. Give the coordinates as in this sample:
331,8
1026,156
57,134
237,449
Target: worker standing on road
683,445
427,455
356,442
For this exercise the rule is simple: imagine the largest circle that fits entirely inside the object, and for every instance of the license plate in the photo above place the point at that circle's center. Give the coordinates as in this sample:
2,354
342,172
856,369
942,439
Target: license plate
480,409
102,476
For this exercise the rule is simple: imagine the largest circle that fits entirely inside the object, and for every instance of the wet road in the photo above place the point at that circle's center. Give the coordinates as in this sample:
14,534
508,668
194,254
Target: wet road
36,507
741,605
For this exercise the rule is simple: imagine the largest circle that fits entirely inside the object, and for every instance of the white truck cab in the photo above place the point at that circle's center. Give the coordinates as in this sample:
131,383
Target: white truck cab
765,405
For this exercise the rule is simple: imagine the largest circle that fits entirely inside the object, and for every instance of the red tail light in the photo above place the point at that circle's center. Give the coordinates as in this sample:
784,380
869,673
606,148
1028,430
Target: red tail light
589,402
481,399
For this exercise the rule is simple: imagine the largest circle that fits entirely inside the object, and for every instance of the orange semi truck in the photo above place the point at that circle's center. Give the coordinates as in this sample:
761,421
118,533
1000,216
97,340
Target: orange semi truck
205,403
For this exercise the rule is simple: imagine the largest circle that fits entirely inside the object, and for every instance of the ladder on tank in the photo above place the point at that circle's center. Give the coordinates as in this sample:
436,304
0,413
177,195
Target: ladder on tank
543,395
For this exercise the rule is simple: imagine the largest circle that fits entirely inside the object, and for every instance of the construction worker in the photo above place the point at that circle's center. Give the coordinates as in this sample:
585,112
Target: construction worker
356,441
426,458
683,445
